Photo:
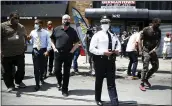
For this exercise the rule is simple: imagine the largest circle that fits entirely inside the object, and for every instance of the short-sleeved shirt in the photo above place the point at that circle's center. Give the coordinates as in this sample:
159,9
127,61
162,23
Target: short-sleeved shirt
64,39
12,40
150,38
131,45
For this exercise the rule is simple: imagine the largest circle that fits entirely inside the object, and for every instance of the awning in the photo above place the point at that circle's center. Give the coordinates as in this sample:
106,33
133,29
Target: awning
129,13
162,14
117,13
35,10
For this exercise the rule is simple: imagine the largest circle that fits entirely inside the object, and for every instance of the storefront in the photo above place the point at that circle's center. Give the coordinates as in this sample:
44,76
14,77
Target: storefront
31,10
127,15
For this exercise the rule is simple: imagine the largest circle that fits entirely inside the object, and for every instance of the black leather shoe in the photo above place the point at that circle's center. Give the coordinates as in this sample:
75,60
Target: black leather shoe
65,94
59,87
37,87
99,103
42,82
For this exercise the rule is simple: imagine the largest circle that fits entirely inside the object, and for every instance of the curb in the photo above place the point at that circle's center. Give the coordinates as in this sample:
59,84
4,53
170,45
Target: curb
118,69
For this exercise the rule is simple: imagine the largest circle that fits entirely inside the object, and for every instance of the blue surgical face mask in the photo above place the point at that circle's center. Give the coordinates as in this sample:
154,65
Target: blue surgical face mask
36,26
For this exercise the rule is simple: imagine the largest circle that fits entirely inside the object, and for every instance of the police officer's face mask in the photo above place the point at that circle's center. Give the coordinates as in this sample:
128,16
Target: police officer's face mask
105,27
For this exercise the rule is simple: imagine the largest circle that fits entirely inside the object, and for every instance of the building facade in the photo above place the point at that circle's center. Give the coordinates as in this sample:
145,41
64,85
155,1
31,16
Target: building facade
44,10
125,15
129,15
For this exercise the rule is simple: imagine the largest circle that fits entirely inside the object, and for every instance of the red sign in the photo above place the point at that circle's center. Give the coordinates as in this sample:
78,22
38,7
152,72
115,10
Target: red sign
119,2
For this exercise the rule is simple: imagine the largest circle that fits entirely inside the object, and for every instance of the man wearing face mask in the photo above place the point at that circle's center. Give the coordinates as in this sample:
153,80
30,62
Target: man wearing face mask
105,46
13,38
41,46
150,41
64,42
50,58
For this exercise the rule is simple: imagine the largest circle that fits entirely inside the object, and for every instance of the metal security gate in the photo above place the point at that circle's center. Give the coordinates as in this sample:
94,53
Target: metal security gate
164,29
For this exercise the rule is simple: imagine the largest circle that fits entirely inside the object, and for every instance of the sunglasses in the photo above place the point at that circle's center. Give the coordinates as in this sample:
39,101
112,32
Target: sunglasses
104,22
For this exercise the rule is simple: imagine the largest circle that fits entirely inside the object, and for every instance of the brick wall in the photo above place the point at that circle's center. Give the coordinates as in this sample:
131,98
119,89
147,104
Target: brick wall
29,24
80,6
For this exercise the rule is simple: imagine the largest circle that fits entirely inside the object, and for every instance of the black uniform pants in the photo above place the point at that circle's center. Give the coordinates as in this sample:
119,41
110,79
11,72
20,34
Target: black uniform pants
153,59
8,64
39,62
50,60
60,58
105,68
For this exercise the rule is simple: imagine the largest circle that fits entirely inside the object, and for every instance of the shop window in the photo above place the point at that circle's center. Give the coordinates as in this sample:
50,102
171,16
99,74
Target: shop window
147,4
36,2
140,4
2,2
154,5
50,2
97,4
7,2
14,2
22,2
29,2
43,2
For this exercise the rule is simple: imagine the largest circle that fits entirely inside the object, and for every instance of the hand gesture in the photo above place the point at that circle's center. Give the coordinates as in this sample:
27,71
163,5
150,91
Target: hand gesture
107,53
46,54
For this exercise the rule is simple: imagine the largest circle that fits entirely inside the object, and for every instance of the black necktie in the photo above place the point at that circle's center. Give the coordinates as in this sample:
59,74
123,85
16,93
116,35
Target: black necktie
110,42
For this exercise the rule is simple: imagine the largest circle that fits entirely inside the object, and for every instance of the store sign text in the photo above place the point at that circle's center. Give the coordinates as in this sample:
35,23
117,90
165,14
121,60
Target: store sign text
116,15
118,4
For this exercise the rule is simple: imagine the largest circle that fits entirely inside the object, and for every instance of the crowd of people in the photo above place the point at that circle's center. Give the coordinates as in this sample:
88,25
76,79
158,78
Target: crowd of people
60,46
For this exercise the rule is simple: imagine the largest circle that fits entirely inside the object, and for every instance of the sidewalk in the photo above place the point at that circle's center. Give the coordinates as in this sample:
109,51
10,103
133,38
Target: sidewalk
165,66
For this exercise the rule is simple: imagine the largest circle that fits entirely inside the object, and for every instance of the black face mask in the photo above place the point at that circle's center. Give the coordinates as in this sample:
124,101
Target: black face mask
67,23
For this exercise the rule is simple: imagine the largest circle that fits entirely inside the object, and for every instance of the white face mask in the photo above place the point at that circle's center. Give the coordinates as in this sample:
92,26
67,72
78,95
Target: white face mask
105,27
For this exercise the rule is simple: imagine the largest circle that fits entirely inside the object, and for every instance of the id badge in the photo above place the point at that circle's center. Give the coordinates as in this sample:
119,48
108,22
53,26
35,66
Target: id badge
17,36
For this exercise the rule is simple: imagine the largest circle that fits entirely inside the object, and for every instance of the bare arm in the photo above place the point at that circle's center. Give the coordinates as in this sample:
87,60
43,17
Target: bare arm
53,45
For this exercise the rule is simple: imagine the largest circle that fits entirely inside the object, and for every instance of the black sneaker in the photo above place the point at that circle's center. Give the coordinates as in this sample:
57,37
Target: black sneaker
65,94
59,86
21,85
50,74
37,87
42,82
147,83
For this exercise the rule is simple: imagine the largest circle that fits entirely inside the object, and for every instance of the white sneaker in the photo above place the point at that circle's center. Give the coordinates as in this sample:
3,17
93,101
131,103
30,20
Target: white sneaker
10,89
93,73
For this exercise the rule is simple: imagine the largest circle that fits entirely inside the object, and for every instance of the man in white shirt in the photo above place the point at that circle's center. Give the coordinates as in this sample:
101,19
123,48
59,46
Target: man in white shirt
132,47
41,46
105,45
167,46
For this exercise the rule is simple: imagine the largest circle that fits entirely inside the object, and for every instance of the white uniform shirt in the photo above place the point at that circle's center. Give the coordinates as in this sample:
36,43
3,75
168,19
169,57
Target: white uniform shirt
131,45
167,41
100,41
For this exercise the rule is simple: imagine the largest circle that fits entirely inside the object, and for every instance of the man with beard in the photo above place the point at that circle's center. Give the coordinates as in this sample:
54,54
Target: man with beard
150,41
13,39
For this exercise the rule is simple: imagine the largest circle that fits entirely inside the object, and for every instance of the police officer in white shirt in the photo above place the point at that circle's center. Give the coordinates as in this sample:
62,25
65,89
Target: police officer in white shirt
105,46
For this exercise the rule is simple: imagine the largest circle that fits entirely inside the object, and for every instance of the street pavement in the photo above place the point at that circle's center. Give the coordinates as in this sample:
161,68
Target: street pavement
81,87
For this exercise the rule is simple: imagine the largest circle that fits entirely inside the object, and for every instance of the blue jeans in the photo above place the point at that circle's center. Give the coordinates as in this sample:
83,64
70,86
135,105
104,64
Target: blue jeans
76,55
133,62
